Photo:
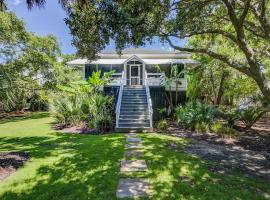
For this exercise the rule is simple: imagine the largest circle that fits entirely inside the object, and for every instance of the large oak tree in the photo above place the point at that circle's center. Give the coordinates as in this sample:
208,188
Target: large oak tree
243,26
238,30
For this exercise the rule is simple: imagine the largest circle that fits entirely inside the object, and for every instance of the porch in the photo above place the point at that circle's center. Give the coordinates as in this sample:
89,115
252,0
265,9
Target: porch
150,79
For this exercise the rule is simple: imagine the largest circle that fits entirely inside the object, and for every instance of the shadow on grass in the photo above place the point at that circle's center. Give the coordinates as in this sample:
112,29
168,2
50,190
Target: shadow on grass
175,174
34,115
87,167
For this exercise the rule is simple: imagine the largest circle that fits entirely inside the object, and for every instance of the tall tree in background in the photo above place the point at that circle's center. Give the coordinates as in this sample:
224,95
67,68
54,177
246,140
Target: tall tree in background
241,26
29,64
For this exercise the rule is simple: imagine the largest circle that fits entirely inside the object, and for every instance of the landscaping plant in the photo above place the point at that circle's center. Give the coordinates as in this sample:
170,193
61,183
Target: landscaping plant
196,114
82,103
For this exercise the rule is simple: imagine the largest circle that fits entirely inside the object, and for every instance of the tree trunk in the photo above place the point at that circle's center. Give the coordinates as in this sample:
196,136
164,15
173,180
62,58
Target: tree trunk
221,87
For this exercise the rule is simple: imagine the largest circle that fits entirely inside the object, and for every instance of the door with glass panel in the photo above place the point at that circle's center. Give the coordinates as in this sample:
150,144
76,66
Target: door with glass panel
135,75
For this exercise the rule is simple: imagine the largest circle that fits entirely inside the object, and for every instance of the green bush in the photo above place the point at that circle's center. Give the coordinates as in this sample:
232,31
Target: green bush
202,127
196,113
102,123
222,129
81,103
163,125
249,116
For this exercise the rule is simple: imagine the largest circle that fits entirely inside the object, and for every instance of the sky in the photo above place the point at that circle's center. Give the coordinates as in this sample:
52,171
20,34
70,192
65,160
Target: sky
50,20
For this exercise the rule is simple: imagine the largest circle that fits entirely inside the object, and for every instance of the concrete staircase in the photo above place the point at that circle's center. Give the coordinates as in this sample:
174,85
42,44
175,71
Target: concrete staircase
134,113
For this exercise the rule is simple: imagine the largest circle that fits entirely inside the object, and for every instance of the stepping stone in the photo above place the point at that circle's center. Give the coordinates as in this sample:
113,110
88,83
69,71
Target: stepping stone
133,166
133,146
133,188
136,140
134,153
132,135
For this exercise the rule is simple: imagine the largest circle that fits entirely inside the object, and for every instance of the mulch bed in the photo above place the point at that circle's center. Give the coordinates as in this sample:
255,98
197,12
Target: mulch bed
10,162
13,114
255,139
249,151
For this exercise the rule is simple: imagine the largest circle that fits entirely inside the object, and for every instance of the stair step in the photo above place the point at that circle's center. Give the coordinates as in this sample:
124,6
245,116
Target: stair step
136,113
134,126
130,121
133,108
133,116
134,102
130,106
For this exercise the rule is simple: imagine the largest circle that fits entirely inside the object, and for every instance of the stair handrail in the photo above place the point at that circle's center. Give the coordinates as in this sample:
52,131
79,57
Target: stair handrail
119,99
149,101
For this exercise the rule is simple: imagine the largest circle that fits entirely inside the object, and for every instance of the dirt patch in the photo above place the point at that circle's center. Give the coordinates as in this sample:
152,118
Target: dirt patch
248,152
250,162
10,162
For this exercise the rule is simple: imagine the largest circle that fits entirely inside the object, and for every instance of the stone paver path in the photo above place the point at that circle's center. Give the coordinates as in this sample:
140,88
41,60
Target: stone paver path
133,146
133,139
133,187
133,166
133,153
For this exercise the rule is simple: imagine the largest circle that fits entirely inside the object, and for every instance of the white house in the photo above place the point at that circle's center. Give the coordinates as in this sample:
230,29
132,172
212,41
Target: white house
139,81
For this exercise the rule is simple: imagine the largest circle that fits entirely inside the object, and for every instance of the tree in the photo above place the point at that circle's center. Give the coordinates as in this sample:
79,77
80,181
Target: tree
239,26
29,64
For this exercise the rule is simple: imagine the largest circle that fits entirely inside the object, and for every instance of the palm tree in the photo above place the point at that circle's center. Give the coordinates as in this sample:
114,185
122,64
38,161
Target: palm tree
40,3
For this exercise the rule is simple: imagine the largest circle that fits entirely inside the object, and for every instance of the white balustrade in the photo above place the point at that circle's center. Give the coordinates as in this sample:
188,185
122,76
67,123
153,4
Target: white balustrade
149,101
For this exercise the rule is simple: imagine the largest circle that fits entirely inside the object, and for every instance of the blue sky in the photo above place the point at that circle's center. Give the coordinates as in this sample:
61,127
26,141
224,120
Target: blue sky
50,20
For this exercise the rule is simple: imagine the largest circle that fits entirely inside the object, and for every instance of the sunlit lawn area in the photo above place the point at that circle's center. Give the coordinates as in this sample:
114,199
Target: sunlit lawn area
70,166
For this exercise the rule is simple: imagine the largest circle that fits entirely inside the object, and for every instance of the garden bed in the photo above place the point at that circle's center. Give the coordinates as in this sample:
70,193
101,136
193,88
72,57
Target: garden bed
249,151
10,162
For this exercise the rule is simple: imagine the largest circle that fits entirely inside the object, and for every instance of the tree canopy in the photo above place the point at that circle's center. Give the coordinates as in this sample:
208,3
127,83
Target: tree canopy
237,33
29,65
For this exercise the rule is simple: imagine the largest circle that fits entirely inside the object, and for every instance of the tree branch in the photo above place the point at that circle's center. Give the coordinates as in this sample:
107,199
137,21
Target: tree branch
223,58
245,12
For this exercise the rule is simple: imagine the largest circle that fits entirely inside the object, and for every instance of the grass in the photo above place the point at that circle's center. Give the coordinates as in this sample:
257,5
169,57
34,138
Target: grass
70,166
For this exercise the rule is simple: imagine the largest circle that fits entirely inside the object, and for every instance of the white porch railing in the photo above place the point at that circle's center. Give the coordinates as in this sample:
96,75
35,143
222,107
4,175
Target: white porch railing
116,79
155,79
119,99
149,101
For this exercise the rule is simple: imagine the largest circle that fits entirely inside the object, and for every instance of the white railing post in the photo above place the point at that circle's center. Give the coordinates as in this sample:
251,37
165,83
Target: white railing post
149,101
119,99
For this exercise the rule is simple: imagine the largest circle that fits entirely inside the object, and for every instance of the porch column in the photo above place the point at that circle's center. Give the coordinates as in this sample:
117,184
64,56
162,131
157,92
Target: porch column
125,73
83,72
143,75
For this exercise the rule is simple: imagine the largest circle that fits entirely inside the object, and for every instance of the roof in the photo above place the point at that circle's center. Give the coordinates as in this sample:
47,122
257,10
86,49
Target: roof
122,61
148,56
144,53
139,51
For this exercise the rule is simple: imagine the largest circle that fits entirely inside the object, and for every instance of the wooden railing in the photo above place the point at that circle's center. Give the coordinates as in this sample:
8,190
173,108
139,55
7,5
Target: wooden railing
119,100
149,101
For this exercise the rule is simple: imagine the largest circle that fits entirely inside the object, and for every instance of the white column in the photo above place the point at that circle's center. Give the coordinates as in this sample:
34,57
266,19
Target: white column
83,72
125,71
143,76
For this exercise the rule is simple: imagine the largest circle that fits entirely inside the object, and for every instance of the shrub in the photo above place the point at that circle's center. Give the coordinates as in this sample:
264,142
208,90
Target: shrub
82,103
102,123
249,116
202,127
163,125
67,109
196,113
222,129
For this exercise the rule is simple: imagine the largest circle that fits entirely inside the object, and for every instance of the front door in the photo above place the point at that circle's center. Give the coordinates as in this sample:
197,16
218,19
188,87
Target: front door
135,74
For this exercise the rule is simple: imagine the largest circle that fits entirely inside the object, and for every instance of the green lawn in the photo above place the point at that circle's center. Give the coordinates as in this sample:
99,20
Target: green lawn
70,166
